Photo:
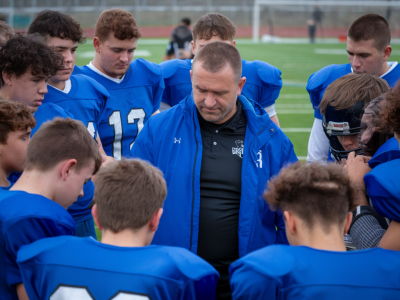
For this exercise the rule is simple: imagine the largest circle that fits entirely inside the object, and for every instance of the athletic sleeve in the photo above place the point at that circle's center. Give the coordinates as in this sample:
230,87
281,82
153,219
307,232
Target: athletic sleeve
366,232
318,144
247,283
25,232
158,93
270,110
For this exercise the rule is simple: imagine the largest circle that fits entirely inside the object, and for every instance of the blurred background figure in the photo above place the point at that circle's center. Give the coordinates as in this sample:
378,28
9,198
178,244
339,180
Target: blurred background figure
317,16
179,45
311,30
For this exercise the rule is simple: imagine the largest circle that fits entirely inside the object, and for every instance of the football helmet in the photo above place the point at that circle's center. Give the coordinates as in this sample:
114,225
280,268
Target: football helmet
342,122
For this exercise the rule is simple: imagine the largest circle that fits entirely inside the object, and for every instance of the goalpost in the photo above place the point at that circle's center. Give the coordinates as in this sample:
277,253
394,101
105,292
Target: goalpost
259,3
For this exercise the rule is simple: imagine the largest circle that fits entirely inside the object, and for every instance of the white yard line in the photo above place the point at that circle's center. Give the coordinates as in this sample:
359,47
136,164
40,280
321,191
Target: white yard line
307,130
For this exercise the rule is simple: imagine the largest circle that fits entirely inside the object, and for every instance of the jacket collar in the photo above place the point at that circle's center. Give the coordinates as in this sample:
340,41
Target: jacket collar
257,118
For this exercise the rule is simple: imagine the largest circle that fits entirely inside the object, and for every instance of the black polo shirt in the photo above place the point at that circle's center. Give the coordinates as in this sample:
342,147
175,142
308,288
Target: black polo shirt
220,192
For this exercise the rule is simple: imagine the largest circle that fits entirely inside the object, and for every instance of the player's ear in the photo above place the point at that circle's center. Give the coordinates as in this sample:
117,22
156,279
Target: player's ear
192,44
386,52
96,44
155,220
6,77
95,218
349,218
234,43
66,168
290,222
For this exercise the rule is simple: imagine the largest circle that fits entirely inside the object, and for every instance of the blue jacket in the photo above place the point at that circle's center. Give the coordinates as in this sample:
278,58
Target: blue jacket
172,142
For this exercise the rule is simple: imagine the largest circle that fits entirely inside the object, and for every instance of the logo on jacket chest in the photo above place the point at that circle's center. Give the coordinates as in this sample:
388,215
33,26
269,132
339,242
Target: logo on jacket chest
238,150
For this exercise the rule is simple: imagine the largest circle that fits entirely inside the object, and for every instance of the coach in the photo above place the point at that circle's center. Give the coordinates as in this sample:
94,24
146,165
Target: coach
217,149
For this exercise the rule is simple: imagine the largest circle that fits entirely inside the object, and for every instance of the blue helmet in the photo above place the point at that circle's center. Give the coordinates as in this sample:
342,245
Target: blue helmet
342,122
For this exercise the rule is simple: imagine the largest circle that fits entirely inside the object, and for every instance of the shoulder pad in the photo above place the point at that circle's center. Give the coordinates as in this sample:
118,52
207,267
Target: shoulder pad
327,75
141,63
384,190
267,74
387,152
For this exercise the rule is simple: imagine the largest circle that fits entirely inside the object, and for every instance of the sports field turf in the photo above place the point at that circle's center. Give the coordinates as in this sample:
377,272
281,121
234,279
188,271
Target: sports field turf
296,61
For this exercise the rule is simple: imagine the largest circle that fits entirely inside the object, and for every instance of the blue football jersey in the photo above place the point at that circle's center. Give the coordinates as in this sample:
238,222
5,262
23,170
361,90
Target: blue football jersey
85,101
83,268
263,81
320,80
131,104
47,112
289,272
382,184
390,150
24,219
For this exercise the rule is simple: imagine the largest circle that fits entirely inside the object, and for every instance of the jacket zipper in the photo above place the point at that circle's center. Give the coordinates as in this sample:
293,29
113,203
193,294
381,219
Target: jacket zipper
193,192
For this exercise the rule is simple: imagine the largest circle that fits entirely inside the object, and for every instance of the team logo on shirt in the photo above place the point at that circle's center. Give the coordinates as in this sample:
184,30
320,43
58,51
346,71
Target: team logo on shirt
238,150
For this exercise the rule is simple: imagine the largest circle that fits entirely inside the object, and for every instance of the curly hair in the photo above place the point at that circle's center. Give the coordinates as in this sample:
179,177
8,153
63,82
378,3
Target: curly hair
14,116
316,193
28,52
56,24
5,32
391,111
118,21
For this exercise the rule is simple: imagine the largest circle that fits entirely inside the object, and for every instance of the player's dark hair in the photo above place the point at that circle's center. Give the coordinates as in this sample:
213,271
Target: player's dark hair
376,127
5,32
216,55
60,140
346,91
24,53
214,24
186,21
128,193
50,23
371,26
391,111
14,116
118,21
321,195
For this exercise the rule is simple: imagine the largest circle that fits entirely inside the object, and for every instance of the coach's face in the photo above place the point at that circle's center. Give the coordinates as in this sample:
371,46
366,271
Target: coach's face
115,55
365,58
215,94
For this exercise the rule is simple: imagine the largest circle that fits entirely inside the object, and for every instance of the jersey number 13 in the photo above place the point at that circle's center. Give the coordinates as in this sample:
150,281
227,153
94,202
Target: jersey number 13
136,115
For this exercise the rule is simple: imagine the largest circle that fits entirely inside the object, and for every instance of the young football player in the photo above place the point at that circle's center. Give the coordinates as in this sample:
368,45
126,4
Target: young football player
368,48
123,265
315,200
79,95
61,157
16,123
263,81
25,64
342,108
376,140
135,87
381,182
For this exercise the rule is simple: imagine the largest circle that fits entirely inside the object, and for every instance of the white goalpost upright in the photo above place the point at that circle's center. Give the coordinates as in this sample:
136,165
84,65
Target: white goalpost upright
259,3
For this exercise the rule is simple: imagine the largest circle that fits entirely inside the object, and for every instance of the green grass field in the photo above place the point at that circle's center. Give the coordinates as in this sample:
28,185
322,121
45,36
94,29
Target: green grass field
296,61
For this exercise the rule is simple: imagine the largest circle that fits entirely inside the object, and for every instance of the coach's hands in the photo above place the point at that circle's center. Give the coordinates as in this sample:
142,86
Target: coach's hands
356,168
